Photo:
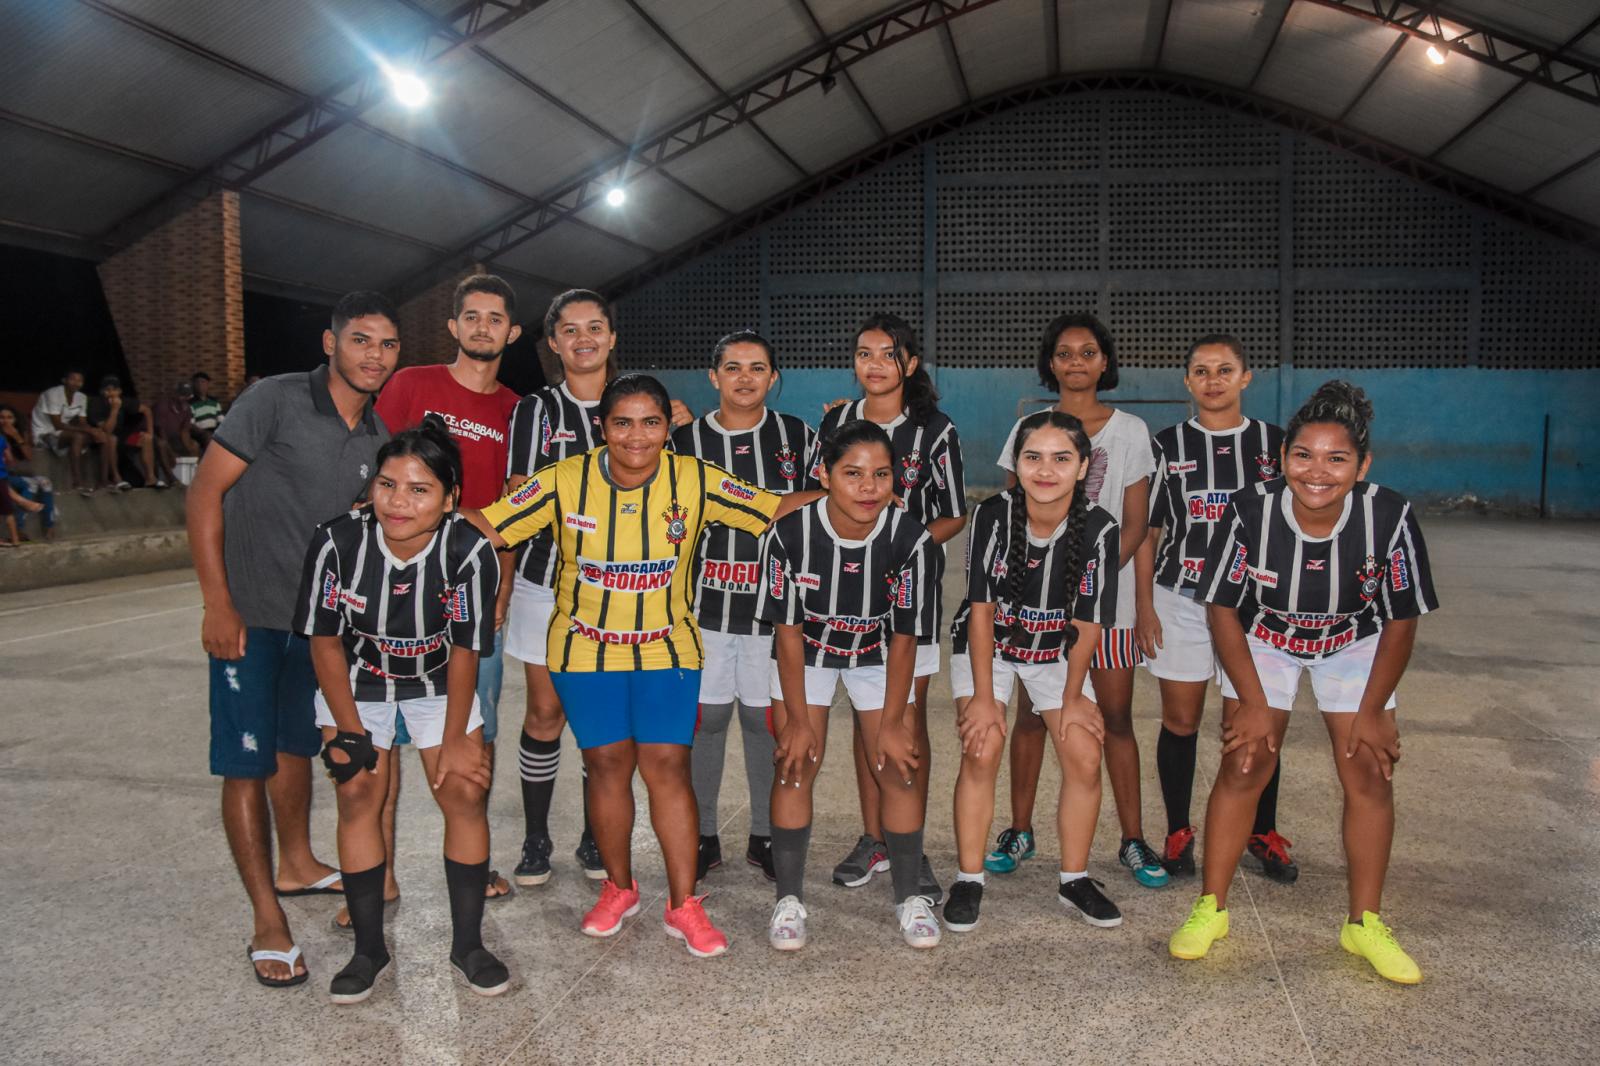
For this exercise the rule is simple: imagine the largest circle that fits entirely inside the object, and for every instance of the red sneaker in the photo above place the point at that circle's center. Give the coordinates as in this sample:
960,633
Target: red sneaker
615,904
1179,856
1272,851
689,924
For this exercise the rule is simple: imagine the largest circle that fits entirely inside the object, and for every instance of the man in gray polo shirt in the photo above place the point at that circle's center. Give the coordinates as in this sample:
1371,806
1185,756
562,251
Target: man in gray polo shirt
295,451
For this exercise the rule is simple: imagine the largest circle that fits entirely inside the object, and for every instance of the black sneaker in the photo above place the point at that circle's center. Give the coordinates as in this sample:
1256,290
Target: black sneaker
354,983
928,885
534,869
961,909
588,856
710,856
1271,850
485,974
759,853
868,857
1179,855
1085,896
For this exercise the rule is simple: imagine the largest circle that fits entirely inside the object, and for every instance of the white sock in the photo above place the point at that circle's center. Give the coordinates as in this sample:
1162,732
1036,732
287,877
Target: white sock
1067,876
977,878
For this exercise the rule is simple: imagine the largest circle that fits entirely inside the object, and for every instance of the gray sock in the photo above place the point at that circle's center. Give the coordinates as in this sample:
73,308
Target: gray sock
905,862
789,847
758,768
705,761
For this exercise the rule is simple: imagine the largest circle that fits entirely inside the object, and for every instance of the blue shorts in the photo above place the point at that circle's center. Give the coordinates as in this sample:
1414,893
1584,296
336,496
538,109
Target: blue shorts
262,705
491,675
645,706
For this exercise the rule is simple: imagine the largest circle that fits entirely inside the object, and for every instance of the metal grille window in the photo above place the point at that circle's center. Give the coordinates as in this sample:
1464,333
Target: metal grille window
672,323
1000,329
872,224
1194,225
1028,227
1156,328
1378,328
1541,304
1060,137
817,330
1155,132
1347,214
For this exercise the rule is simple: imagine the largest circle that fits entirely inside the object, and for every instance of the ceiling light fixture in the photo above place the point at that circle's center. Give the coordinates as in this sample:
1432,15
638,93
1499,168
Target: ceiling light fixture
408,89
615,197
1435,55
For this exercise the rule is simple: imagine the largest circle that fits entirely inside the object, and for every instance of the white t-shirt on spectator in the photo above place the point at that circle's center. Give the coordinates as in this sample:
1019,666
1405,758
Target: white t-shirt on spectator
53,401
1120,457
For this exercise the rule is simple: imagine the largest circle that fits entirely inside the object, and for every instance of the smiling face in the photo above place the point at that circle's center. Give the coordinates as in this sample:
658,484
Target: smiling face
1216,378
364,353
583,338
744,376
860,484
1049,465
635,431
1321,466
878,367
483,329
408,499
1077,361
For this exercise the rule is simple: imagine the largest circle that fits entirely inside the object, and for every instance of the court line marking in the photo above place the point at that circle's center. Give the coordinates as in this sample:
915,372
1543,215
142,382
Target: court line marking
7,613
122,655
99,625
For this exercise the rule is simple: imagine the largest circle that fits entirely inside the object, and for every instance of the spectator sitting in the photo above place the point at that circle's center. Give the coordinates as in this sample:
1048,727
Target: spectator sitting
127,423
205,410
174,420
29,492
60,424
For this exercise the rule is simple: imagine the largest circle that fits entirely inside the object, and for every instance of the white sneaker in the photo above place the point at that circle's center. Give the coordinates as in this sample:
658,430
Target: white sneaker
787,930
917,922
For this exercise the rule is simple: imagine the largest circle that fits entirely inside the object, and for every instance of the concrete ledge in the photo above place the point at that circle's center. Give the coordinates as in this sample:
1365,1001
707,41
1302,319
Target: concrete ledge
94,558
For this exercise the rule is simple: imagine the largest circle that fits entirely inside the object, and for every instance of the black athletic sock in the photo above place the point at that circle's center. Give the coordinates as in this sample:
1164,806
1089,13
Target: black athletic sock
363,895
1267,805
588,829
465,881
1175,767
905,862
789,847
537,761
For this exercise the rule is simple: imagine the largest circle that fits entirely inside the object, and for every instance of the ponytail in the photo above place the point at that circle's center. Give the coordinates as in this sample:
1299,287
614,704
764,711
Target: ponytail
920,399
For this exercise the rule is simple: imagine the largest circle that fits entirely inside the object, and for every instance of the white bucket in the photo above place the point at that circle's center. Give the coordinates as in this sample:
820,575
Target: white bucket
183,469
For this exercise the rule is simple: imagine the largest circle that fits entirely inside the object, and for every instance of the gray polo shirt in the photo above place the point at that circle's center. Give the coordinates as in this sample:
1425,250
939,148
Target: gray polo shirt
306,466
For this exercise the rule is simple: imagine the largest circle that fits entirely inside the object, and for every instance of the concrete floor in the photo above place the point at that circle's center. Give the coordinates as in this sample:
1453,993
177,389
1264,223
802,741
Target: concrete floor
123,919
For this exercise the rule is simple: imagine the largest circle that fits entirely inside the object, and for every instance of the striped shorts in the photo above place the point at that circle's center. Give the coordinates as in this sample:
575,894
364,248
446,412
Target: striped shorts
1117,651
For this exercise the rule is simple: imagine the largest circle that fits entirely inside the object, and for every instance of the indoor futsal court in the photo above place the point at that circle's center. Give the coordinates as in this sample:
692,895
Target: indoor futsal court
760,531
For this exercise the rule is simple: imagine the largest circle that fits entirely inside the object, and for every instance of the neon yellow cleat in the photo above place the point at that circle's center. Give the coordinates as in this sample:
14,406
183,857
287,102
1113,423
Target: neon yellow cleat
1204,925
1375,942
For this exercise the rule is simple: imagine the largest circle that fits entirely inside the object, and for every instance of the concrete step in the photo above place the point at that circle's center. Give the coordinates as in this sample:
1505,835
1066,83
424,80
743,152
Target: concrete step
94,557
107,511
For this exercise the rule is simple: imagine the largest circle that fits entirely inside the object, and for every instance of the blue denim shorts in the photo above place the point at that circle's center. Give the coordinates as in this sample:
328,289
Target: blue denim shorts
262,705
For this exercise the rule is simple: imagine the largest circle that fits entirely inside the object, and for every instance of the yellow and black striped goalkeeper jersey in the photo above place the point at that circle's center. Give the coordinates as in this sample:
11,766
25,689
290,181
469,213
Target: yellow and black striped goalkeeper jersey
624,580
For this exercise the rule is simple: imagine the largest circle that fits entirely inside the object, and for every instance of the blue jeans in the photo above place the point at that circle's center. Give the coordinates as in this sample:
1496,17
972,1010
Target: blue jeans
491,674
262,704
39,490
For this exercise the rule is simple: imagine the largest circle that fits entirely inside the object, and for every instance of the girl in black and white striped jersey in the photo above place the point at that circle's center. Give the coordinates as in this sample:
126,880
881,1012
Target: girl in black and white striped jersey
1041,581
765,449
931,487
848,584
398,601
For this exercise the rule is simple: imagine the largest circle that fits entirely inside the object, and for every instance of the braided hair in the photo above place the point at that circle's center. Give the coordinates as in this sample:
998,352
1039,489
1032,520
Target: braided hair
1017,535
1341,403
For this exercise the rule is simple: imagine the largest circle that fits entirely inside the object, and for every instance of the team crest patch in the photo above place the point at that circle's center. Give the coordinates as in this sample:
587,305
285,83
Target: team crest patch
1399,572
455,604
911,470
788,463
1371,577
524,494
677,520
1266,466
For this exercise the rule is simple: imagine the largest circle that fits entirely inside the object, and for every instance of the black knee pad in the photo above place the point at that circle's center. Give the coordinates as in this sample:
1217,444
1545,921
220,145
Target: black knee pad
357,748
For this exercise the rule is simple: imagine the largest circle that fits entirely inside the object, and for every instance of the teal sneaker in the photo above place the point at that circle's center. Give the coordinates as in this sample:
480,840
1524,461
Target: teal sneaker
1010,850
1142,859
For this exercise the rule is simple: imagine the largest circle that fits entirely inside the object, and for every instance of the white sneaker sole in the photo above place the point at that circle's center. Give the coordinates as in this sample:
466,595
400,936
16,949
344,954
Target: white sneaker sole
595,875
786,943
960,927
922,942
696,952
615,929
529,880
491,990
349,999
876,868
1099,923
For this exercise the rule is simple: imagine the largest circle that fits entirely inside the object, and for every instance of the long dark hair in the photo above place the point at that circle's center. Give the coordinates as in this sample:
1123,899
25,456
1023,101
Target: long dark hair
1102,336
429,443
848,435
1017,537
552,317
917,393
633,385
1339,402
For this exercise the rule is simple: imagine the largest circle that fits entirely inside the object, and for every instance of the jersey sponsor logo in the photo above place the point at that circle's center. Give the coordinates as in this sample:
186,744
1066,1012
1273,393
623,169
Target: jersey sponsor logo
581,522
788,464
1034,619
1086,583
910,470
816,467
1371,577
544,434
1238,568
808,581
645,575
901,586
470,429
409,647
525,493
848,623
1317,565
619,636
1026,655
1267,579
999,569
730,576
677,520
1399,572
1313,621
941,470
848,653
1193,567
852,568
775,579
1303,645
456,606
330,590
1188,466
1266,466
1208,506
738,489
352,600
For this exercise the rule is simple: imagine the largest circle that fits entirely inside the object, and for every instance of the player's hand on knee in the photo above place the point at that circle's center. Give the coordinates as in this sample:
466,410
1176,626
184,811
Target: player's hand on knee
461,755
1379,732
796,745
1083,712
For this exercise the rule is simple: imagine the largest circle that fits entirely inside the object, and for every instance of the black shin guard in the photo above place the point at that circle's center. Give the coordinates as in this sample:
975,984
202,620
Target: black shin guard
363,895
1267,805
789,847
465,881
1175,756
588,830
537,762
905,862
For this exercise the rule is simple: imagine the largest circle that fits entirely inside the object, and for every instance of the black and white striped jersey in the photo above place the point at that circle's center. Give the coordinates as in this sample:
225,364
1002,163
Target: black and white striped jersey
1051,596
928,469
548,425
1312,597
398,619
850,595
770,455
1197,472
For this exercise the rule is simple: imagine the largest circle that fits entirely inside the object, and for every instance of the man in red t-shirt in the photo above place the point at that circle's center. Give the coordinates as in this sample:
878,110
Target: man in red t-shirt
468,395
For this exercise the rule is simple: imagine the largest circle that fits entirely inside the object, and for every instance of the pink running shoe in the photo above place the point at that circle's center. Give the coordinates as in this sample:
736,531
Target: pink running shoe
615,904
689,924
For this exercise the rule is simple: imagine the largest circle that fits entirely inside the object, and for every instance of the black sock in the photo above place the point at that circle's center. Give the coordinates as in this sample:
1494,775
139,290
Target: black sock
465,881
588,830
537,761
363,895
1267,805
905,862
1175,767
789,848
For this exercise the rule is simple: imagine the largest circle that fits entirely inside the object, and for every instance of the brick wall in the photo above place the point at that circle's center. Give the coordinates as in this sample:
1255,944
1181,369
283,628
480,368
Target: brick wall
177,299
424,337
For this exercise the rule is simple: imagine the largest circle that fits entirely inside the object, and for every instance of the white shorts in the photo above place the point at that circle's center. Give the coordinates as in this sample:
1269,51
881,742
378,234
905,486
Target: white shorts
927,660
424,719
1337,681
737,666
864,685
1186,653
528,621
1045,682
